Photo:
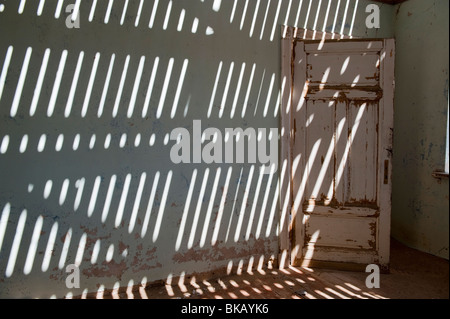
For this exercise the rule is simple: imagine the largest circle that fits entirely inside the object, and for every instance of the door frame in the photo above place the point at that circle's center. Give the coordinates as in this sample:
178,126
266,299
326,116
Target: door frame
291,236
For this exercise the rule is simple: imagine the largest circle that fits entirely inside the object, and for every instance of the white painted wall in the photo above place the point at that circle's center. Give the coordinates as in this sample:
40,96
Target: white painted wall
420,201
216,63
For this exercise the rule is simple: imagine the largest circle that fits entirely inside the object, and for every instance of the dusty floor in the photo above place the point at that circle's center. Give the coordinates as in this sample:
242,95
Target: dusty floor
413,275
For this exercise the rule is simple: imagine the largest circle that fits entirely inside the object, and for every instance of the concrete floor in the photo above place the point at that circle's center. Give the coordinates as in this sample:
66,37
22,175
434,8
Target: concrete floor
413,274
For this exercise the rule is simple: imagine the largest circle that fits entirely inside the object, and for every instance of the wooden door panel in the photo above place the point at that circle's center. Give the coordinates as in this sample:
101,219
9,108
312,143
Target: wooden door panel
353,69
362,166
327,230
320,143
336,152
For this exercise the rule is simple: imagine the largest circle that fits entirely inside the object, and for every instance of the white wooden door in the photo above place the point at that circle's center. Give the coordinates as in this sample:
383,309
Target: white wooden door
341,152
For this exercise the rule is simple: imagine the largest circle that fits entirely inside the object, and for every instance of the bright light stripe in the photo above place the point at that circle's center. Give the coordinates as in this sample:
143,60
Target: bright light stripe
123,140
344,18
137,82
186,210
121,85
213,95
106,86
179,88
325,20
5,144
95,251
151,199
225,92
87,97
269,95
21,6
79,184
323,170
73,88
252,28
137,203
107,141
123,199
20,84
210,207
288,12
124,13
234,203
40,81
316,20
198,209
167,18
337,137
150,88
194,25
40,8
108,11
108,199
49,250
152,17
216,5
63,194
16,244
76,142
4,222
5,69
297,18
350,33
33,246
264,204
76,11
249,88
277,104
164,90
273,211
335,18
139,12
23,144
233,11
80,251
312,156
350,140
65,249
48,189
92,141
260,91
263,27
244,204
94,196
181,20
275,21
56,85
162,207
255,202
92,12
41,143
308,12
244,14
58,9
238,90
110,253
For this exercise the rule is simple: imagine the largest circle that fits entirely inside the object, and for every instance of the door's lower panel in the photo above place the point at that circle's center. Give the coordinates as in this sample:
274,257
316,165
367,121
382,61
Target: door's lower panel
344,238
